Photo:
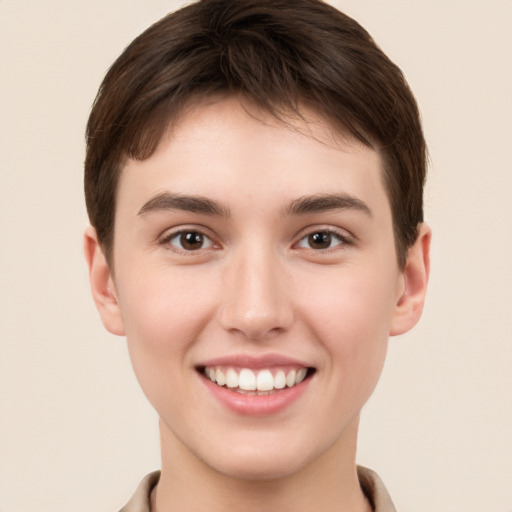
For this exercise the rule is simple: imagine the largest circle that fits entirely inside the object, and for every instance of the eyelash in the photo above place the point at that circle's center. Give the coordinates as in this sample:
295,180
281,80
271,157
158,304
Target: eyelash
342,239
178,235
202,238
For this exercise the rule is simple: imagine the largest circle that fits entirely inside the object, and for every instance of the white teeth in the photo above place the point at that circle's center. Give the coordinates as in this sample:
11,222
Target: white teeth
231,378
301,375
290,378
220,377
262,383
280,380
247,380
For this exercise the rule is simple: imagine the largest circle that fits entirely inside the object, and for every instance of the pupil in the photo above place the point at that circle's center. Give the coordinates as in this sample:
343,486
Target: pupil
191,240
320,240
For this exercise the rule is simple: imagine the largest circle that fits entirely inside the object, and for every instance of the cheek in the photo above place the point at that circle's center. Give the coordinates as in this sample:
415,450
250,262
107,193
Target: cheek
165,308
352,304
163,314
352,318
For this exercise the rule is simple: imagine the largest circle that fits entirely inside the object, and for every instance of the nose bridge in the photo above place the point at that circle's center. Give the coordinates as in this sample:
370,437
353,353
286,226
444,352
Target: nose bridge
255,298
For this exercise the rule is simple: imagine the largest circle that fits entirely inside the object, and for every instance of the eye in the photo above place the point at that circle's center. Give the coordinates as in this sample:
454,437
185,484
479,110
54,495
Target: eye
188,241
321,240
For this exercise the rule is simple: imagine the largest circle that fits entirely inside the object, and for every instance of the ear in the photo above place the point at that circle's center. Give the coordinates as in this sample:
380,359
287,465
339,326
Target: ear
413,284
102,284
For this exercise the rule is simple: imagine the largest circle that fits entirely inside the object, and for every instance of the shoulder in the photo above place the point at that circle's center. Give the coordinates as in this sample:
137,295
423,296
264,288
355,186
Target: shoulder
140,501
374,490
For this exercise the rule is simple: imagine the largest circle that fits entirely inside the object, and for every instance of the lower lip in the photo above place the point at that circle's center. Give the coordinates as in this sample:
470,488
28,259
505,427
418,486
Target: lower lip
256,405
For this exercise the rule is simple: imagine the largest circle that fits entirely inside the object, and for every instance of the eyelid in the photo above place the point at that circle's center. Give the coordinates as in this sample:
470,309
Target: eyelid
172,233
346,238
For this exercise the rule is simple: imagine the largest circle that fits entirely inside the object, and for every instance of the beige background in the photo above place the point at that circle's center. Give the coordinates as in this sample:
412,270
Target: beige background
76,432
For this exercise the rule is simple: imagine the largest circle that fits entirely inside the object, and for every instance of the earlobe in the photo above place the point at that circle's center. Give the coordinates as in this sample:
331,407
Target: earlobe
102,284
415,275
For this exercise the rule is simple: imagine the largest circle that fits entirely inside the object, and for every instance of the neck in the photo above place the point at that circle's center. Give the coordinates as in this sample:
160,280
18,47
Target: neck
329,483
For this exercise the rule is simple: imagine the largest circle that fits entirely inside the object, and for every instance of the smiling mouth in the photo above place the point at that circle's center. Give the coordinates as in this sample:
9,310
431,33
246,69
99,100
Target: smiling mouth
259,382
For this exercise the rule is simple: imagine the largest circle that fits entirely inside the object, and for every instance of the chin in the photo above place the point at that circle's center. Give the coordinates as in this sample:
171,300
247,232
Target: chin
259,468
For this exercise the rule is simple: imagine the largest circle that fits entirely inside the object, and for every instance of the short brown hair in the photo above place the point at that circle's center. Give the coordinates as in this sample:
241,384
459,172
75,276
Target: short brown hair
278,54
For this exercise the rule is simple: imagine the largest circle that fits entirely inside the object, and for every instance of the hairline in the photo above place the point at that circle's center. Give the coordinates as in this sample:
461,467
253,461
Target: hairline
283,114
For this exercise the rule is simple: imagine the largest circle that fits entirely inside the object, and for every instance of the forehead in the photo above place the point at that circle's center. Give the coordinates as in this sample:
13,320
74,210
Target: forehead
220,145
232,113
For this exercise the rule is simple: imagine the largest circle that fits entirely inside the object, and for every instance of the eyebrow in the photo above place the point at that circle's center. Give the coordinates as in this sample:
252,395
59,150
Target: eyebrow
303,205
324,202
189,203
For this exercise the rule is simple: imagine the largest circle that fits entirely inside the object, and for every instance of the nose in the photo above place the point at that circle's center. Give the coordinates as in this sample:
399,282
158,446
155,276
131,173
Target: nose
256,302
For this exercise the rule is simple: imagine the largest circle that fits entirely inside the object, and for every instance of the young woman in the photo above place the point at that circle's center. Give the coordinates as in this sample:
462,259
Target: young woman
254,181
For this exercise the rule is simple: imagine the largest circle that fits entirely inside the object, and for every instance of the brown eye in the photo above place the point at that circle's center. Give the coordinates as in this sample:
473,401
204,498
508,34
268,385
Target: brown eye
321,240
190,241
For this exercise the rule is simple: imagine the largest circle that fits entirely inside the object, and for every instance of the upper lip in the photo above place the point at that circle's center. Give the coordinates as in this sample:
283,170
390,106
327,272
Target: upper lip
253,361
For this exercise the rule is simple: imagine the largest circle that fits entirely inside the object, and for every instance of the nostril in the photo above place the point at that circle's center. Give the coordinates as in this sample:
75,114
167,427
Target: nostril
254,302
254,325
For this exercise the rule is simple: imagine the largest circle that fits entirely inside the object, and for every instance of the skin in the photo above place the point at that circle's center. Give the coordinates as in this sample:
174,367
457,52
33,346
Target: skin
257,283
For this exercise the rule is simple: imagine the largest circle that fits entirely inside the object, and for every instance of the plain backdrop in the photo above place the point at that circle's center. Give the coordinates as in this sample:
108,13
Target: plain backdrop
76,432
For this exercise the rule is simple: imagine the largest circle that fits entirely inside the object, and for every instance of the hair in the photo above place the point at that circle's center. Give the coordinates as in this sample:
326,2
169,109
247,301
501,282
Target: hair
277,54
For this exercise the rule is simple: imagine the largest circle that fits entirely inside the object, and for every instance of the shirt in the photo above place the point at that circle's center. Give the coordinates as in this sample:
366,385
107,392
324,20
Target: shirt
371,485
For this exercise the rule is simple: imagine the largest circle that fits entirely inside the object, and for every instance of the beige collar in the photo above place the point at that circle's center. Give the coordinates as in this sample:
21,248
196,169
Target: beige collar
371,484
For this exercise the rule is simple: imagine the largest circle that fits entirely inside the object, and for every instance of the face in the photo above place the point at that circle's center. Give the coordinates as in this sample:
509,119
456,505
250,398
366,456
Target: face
256,279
